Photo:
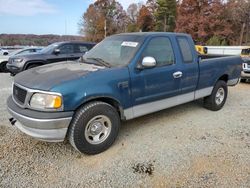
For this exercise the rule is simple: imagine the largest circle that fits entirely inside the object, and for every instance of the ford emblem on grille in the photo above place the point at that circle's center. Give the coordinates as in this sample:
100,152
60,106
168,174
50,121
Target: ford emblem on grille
19,94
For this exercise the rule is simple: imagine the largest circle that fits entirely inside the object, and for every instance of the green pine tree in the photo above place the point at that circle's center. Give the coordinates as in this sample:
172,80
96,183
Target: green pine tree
165,15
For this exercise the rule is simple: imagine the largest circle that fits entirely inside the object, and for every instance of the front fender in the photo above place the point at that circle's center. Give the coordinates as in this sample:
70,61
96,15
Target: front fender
27,63
108,83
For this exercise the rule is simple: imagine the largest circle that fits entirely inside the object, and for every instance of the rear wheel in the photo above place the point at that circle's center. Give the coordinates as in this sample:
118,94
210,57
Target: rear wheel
243,80
3,67
94,128
218,97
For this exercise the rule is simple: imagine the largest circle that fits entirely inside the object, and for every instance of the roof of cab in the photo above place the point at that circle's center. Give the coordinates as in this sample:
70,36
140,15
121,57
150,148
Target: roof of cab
154,34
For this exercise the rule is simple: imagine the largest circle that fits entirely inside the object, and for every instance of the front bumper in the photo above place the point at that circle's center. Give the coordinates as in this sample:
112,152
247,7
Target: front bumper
50,127
245,75
13,69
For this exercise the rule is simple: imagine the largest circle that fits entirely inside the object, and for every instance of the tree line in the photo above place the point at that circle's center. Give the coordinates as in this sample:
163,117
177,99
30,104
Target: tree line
34,40
210,22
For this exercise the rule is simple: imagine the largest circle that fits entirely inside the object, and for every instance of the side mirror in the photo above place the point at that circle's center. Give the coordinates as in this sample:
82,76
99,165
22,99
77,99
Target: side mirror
5,53
148,62
57,51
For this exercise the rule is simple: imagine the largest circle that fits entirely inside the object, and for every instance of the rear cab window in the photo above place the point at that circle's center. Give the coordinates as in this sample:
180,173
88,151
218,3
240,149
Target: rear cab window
185,49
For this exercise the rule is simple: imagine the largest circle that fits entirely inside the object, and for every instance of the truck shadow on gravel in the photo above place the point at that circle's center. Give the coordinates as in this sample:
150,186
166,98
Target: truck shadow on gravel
22,142
152,119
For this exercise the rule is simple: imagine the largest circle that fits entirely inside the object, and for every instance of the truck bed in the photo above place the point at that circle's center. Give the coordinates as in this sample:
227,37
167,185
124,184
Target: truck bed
211,56
213,65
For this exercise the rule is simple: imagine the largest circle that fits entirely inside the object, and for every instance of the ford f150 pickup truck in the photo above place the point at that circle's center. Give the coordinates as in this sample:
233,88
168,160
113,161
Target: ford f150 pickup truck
123,77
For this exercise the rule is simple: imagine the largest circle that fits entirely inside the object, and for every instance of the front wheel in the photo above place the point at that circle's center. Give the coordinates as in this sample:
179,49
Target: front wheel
218,97
3,67
94,128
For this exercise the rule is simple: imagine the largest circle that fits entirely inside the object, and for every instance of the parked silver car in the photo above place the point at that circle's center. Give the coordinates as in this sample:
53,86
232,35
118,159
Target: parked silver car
4,58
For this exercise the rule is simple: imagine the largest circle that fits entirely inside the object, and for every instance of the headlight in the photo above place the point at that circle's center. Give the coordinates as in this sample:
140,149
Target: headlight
17,60
46,101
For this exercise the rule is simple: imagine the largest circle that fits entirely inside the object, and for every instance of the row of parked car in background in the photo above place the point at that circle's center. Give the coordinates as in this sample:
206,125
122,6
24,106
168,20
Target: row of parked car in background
27,58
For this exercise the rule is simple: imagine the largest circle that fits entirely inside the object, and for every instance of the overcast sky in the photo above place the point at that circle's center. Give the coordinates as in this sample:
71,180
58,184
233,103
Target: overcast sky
44,16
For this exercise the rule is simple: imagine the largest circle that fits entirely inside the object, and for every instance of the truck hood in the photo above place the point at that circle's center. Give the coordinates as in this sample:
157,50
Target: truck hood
48,76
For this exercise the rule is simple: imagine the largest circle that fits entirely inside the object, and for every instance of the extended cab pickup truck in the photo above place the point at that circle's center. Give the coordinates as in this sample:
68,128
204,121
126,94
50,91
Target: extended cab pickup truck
123,77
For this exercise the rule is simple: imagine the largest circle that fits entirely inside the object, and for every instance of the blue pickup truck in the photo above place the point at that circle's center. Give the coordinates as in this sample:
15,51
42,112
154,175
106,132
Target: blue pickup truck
123,77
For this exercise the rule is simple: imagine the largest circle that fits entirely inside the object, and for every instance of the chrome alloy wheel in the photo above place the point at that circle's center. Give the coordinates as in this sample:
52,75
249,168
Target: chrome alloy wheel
220,95
98,129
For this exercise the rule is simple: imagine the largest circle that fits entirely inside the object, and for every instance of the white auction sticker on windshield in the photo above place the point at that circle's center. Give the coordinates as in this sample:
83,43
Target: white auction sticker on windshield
130,44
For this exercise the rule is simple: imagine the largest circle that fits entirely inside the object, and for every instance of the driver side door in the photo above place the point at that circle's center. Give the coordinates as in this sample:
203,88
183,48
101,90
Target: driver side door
65,52
152,86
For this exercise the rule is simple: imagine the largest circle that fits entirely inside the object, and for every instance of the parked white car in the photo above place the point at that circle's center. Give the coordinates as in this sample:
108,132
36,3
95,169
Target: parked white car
3,52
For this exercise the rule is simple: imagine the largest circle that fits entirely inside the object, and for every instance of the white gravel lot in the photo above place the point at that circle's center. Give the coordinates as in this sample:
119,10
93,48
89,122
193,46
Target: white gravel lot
185,146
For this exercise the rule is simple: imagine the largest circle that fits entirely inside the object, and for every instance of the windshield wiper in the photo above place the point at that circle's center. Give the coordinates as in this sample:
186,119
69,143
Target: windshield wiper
100,61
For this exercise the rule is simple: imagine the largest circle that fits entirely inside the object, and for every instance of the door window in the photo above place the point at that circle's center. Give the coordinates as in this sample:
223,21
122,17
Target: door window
66,49
161,49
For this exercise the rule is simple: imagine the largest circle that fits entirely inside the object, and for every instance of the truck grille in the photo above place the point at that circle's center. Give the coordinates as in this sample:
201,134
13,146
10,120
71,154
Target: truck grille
19,94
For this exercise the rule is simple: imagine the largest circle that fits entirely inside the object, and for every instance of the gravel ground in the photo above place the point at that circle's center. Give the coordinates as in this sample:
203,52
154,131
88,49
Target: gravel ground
185,146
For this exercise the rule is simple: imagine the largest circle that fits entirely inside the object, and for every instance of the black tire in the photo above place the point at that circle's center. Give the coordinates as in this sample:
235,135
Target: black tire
83,120
243,80
214,103
3,67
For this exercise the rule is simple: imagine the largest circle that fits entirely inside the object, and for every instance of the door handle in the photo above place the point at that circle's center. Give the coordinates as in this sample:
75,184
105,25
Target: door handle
177,74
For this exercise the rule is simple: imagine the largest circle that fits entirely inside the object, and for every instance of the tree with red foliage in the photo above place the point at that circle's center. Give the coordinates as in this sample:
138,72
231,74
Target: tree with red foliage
238,12
203,19
99,14
145,20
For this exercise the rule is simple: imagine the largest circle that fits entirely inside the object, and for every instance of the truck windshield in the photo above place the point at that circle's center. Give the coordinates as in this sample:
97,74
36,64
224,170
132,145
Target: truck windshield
115,50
